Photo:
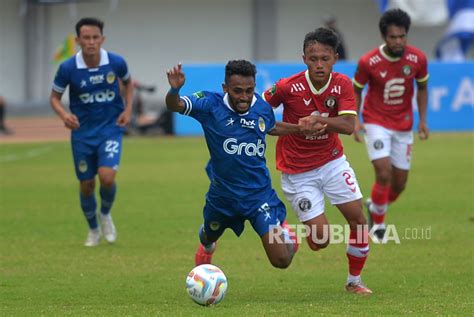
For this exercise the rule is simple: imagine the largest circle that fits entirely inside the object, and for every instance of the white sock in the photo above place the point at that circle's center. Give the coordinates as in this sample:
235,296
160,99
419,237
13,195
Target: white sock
353,279
209,248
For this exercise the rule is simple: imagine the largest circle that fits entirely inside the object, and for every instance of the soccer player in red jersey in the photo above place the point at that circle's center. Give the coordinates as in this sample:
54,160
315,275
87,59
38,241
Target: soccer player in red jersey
390,71
314,165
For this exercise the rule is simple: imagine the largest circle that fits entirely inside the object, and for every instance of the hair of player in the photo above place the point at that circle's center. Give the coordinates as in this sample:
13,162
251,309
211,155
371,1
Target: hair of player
396,17
89,21
321,35
239,67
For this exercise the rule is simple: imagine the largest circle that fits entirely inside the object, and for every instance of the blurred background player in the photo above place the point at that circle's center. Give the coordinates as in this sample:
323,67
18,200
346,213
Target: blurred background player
235,125
3,128
389,71
314,166
98,118
330,22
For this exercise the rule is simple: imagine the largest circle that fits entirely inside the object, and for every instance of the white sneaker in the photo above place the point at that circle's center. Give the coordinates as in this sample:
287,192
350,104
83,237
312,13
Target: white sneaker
108,228
93,238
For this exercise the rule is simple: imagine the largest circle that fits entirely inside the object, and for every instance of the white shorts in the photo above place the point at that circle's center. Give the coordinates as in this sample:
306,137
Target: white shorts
382,142
305,191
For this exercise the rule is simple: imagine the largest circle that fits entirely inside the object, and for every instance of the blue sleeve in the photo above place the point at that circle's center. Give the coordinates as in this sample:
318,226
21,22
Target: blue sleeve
196,105
61,80
271,119
121,68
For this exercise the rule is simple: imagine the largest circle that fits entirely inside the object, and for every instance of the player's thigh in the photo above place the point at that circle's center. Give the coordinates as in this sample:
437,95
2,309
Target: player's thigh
109,152
277,250
216,214
266,213
85,160
377,141
304,193
353,212
316,231
401,151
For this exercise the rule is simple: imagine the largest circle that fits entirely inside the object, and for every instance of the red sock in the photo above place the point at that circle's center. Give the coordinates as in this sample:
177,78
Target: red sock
392,196
357,252
379,197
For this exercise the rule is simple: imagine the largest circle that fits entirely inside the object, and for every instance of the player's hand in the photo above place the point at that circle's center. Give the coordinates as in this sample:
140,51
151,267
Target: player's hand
423,131
71,121
176,76
124,119
358,128
310,126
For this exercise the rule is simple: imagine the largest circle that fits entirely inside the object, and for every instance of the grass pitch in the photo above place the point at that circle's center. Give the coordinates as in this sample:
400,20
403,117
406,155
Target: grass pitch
45,270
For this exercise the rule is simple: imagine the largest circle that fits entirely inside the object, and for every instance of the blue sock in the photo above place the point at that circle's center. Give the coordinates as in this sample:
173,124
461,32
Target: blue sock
89,205
107,196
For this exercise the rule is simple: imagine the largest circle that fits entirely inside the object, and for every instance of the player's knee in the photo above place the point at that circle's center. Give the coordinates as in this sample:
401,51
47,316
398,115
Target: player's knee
320,243
107,181
281,262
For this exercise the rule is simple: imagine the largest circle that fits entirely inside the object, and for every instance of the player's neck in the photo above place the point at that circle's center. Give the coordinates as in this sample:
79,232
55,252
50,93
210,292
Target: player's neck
319,84
91,61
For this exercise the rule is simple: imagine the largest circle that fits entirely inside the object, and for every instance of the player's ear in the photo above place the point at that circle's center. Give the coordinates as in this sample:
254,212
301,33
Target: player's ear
224,87
336,56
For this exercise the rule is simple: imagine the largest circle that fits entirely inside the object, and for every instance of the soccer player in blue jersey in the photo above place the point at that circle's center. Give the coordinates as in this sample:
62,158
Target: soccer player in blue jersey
97,119
235,124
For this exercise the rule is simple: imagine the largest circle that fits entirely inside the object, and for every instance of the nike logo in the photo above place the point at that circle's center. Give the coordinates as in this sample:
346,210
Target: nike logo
307,102
383,74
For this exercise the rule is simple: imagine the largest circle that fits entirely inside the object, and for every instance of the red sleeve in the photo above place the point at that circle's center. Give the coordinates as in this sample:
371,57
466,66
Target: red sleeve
274,94
422,74
347,104
361,76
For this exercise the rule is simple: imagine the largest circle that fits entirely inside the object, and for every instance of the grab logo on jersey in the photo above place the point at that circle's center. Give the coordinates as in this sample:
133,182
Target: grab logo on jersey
99,96
393,90
232,146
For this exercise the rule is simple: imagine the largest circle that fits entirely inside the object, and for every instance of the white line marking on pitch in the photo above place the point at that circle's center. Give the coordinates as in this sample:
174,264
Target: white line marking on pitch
29,154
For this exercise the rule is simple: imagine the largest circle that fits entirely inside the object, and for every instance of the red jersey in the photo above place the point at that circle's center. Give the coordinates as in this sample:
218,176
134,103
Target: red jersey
389,98
299,153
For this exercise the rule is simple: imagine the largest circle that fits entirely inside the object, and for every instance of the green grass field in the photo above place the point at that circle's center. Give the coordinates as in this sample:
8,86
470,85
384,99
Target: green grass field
45,270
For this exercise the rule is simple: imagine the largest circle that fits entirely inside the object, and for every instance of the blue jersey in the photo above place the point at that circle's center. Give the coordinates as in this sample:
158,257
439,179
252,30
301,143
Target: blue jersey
94,93
236,143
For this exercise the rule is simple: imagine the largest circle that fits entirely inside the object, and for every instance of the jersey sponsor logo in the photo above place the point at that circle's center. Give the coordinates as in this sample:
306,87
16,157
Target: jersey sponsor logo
304,204
233,147
393,91
261,124
330,102
383,74
336,89
374,60
99,96
198,94
307,102
249,124
297,87
110,77
96,79
230,121
406,70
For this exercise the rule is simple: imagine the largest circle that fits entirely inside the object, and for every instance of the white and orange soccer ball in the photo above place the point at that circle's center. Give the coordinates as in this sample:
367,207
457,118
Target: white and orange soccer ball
206,284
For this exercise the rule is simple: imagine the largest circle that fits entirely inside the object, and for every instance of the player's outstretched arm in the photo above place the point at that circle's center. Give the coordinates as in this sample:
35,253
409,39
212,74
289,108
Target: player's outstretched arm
176,80
343,124
69,119
284,128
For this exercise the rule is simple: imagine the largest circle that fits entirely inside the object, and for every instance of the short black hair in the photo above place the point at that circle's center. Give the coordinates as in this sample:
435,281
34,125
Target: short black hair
239,67
89,21
396,17
321,35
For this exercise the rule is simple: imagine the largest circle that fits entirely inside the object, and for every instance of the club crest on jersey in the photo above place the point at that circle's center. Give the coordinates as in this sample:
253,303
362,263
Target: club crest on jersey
304,204
198,94
82,166
261,124
330,102
110,77
406,70
378,144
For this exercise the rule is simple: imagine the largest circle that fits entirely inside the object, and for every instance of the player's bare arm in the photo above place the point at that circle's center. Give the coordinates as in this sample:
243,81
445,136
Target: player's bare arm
125,116
176,80
343,124
69,119
422,101
358,127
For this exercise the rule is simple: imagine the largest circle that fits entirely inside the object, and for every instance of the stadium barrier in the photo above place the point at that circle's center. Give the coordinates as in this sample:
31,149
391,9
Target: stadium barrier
450,102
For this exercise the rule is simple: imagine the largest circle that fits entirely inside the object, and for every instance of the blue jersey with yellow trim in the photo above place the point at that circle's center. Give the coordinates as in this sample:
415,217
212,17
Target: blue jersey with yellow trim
94,93
236,143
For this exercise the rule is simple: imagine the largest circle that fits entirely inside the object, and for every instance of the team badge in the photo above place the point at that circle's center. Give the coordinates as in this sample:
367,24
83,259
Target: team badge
272,90
110,77
261,124
82,166
198,94
378,144
406,70
304,204
214,225
330,102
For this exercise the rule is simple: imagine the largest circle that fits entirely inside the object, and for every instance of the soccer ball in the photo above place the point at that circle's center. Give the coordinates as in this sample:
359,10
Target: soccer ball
206,284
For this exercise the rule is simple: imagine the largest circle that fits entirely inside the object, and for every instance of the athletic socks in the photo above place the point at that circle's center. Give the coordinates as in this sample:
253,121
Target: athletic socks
107,196
378,208
357,251
392,196
89,206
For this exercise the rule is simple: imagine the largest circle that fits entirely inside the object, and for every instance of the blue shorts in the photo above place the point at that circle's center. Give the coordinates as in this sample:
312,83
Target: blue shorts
221,213
90,155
